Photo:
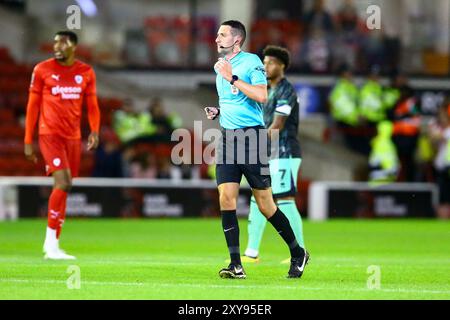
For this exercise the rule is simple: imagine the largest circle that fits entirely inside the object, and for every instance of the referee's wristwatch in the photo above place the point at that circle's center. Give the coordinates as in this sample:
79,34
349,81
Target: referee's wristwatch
233,79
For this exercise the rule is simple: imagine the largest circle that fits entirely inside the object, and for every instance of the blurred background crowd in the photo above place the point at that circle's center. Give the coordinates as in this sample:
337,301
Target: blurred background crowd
374,103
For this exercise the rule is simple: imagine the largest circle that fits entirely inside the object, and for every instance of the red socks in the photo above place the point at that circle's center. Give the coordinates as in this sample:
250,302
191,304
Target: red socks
57,210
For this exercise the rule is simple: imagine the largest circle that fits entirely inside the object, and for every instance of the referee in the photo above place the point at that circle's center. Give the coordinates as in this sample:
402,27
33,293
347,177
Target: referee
242,88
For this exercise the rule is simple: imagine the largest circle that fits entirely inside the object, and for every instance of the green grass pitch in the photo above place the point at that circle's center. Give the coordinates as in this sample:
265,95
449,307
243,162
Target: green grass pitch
180,259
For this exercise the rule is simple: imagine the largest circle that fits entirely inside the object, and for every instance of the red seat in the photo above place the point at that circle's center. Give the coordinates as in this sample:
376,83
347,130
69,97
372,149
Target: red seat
7,116
156,22
5,56
110,103
163,150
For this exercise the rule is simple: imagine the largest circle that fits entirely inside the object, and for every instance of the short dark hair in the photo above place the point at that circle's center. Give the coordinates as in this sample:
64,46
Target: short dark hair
280,53
72,36
238,27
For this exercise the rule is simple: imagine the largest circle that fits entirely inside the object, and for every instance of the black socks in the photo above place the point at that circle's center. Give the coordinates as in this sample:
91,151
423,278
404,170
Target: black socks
231,231
281,224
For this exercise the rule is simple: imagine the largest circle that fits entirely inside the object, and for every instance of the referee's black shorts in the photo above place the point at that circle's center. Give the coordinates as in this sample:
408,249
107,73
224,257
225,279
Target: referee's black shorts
244,152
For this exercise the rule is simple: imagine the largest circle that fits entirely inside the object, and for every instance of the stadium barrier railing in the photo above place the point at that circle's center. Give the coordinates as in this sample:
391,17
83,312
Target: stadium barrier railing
106,197
111,197
363,200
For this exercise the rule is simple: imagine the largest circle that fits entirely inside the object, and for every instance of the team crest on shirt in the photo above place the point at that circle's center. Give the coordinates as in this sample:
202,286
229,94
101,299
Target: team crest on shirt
78,79
56,162
234,90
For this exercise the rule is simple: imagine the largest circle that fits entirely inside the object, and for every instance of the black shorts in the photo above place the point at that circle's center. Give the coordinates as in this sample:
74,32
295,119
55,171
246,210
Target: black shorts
244,152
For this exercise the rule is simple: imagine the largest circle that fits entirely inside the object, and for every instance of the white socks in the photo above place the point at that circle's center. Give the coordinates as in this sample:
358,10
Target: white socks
51,243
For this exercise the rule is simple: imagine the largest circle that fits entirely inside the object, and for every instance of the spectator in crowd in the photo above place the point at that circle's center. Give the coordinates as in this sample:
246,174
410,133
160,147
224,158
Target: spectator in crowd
318,18
348,38
315,54
143,165
347,19
189,171
374,51
345,51
108,156
165,169
163,123
403,112
439,132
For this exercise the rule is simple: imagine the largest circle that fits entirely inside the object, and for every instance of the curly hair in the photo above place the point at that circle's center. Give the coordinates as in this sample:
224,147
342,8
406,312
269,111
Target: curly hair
280,53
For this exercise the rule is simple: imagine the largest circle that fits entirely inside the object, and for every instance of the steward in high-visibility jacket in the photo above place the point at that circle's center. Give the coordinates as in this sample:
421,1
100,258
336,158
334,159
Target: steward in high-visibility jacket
406,118
131,125
383,159
344,109
344,100
371,100
400,101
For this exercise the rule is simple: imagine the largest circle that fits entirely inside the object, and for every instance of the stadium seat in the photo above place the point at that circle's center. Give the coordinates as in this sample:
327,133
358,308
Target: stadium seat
163,150
10,147
6,116
11,130
5,56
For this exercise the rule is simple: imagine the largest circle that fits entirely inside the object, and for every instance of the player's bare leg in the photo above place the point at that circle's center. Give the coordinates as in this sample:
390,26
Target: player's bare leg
264,200
228,193
56,215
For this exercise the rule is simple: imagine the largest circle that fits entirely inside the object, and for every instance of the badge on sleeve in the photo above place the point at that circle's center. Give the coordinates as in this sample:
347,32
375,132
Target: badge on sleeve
78,79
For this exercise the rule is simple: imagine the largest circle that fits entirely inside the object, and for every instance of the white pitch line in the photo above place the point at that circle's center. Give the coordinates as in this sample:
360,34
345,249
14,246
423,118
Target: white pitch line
339,263
176,285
